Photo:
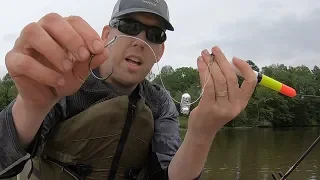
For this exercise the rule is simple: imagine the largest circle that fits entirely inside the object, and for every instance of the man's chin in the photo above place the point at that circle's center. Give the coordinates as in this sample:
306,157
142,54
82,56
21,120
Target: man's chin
128,80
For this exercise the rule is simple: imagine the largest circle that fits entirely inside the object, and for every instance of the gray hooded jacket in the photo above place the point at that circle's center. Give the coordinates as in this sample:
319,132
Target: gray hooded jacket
166,140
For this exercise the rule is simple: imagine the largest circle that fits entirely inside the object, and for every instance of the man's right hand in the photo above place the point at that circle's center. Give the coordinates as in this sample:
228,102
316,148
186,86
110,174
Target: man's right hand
50,59
48,62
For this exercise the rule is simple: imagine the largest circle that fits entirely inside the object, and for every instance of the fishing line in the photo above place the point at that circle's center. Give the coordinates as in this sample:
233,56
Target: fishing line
112,41
262,78
268,82
308,95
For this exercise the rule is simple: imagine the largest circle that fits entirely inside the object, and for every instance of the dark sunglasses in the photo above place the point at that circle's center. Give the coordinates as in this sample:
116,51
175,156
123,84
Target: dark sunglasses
132,27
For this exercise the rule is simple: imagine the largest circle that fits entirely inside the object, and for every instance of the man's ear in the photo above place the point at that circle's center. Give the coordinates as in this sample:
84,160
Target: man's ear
105,33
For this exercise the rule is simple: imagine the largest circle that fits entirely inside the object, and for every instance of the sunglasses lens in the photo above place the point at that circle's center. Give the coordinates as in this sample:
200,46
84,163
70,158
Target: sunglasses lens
130,27
133,28
156,35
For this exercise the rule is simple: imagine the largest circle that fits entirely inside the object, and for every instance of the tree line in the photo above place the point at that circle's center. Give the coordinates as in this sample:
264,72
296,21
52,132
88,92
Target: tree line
266,108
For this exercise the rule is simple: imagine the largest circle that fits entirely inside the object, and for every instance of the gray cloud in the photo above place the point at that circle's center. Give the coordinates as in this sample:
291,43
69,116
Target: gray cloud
290,39
265,31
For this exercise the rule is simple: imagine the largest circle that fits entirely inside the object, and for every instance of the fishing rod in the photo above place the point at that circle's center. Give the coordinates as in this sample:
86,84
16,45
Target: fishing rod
304,155
284,89
290,92
276,86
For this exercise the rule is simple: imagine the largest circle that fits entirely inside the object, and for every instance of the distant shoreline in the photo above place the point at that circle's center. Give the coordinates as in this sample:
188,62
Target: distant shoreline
184,125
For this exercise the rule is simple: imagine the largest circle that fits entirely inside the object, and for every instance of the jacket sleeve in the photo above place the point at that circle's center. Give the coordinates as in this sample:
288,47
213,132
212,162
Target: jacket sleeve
166,140
13,156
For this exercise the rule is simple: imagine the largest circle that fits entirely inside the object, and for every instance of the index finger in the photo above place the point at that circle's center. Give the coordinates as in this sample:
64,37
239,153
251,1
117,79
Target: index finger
250,79
65,35
88,34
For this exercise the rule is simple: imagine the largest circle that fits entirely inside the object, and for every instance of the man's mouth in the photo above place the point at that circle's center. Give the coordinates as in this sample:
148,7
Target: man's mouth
133,61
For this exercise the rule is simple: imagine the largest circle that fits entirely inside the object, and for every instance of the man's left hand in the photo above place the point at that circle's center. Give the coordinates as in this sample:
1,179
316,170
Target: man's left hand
222,99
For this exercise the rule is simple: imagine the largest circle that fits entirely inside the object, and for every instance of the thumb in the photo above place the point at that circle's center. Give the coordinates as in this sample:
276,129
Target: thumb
82,69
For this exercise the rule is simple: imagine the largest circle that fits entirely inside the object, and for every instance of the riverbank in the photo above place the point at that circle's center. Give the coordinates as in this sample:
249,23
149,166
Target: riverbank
184,124
183,120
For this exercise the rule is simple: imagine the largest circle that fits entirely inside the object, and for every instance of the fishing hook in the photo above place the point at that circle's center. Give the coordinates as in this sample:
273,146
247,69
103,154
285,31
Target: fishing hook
92,55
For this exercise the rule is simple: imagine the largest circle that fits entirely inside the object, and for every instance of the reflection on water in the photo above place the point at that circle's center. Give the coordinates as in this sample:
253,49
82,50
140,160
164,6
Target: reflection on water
254,153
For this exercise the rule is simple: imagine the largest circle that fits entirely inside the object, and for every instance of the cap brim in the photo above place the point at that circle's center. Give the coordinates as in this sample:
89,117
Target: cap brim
134,10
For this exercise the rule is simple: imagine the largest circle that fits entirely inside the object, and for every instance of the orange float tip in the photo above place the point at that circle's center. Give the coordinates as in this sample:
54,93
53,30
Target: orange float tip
288,91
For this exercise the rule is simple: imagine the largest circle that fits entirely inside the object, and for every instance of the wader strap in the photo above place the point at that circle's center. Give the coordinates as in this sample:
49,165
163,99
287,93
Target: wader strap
131,114
36,173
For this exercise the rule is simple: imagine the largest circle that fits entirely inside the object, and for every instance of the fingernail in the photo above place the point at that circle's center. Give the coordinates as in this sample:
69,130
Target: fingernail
206,52
67,65
83,53
60,81
97,46
216,49
236,58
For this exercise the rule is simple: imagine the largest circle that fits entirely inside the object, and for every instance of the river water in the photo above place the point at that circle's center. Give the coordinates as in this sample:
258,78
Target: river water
254,153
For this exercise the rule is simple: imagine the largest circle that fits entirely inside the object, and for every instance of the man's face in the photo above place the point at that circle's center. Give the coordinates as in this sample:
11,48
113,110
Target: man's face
131,58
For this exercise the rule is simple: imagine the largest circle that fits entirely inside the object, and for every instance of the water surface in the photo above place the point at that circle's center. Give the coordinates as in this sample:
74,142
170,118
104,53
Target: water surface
254,153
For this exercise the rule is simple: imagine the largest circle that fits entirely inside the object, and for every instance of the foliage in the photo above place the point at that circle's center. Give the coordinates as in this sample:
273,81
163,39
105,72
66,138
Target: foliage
265,108
8,91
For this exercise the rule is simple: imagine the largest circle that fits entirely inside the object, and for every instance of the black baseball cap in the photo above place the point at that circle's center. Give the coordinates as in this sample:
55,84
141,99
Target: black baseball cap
157,7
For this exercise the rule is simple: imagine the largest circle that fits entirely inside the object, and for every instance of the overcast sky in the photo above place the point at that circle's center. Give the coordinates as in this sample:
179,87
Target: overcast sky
265,31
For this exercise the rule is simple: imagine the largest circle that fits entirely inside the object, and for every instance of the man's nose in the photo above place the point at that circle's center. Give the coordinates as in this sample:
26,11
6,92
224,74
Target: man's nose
138,42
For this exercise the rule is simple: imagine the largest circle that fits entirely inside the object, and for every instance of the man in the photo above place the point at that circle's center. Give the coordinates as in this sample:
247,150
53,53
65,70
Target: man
75,126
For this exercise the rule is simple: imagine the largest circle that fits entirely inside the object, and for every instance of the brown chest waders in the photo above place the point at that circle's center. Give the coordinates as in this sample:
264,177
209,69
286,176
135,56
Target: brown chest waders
110,140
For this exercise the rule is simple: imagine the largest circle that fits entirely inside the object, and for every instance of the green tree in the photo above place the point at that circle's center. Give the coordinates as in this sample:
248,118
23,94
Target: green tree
265,108
8,91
